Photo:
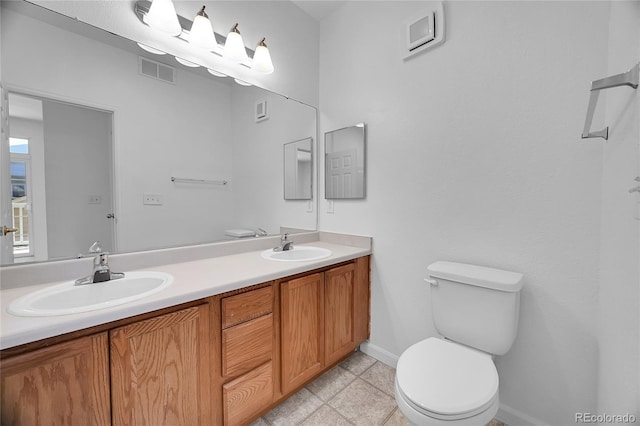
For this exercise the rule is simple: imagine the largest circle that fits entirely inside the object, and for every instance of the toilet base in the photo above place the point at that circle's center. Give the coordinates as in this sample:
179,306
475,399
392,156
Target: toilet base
417,418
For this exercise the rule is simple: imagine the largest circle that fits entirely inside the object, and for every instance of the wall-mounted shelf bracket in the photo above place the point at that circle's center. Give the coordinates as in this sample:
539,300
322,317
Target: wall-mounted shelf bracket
629,78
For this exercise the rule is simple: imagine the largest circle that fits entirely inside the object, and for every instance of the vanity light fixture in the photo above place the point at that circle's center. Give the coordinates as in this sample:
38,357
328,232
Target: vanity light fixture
234,46
201,34
216,73
151,49
241,83
162,17
187,63
262,59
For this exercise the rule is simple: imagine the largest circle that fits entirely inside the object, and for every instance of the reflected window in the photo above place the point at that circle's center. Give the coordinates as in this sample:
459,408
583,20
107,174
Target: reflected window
20,201
18,145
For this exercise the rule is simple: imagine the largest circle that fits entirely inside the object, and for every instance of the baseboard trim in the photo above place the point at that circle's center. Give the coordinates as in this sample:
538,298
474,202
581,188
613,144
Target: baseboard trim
380,354
512,417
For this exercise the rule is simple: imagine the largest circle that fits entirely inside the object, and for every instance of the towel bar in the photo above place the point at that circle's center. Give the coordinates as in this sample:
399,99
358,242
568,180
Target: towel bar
629,78
186,180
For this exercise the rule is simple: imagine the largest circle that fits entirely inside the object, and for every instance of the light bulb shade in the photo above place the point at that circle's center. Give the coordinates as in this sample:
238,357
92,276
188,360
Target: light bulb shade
187,63
242,82
216,73
162,17
201,34
262,59
234,49
151,49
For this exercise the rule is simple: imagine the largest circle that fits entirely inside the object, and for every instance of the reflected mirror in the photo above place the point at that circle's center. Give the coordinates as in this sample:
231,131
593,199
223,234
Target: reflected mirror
158,120
298,169
344,162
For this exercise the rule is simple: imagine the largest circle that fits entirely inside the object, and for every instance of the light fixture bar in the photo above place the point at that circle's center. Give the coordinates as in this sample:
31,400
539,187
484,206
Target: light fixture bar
142,7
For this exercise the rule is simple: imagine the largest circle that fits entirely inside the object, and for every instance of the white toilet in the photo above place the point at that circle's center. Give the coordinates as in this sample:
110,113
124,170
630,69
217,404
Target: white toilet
453,380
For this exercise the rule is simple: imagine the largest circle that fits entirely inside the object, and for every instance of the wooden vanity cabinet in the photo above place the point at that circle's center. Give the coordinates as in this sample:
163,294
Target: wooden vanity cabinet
247,351
339,286
161,370
224,360
66,383
302,330
324,317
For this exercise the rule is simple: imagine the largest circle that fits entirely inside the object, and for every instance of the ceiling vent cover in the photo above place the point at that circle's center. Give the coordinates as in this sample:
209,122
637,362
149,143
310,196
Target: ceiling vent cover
156,70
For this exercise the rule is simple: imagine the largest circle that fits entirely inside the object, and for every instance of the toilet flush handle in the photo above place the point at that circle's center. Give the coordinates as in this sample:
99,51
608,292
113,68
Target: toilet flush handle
431,281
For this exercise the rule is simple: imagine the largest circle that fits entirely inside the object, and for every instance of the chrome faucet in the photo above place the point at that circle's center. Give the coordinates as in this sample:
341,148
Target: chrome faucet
101,271
285,244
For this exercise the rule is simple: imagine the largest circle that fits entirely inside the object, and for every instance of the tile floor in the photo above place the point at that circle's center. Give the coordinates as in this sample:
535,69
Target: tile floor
358,391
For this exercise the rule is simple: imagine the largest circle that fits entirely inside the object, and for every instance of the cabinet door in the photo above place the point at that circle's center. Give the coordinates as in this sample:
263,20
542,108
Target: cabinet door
361,299
339,312
302,330
161,370
64,384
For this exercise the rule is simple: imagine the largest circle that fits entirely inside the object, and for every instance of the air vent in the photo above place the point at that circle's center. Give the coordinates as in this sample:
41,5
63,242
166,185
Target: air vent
156,70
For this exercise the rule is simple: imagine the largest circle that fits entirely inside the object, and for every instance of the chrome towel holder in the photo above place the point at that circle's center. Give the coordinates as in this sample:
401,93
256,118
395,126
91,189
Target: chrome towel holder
205,181
629,78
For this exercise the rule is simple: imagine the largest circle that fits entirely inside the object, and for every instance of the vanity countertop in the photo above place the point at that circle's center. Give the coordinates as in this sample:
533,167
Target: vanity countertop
193,280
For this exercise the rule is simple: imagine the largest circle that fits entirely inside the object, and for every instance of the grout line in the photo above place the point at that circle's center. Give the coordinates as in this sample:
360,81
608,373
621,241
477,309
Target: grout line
386,419
310,414
374,385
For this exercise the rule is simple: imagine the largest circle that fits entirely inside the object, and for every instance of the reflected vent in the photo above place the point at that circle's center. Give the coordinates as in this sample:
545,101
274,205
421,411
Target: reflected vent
156,70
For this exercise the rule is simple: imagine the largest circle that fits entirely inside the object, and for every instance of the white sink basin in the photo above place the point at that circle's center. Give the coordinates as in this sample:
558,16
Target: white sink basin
69,298
297,254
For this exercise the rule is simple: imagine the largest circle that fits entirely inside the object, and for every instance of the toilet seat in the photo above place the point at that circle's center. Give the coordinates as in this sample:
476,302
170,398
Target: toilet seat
445,380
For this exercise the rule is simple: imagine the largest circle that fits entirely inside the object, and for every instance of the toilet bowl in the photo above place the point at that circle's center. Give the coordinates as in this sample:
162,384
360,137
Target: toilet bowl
439,382
452,380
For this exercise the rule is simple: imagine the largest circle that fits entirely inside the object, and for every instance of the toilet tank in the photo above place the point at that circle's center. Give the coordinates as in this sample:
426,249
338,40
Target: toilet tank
476,305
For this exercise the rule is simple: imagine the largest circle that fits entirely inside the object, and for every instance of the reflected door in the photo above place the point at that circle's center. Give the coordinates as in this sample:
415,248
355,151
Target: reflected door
341,170
6,241
60,175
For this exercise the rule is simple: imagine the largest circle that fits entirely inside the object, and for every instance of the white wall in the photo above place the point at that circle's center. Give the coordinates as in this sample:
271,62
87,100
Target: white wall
258,161
292,37
474,155
619,321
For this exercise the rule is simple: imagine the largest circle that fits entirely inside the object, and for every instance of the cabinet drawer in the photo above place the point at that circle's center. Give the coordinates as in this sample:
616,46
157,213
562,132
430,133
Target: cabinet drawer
245,306
247,345
246,396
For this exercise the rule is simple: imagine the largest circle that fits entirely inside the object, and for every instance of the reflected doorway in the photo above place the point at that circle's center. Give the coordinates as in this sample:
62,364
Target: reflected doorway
61,174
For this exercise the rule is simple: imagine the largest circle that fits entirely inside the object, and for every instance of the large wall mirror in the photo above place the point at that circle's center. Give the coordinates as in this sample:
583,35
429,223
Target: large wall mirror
298,169
96,141
345,162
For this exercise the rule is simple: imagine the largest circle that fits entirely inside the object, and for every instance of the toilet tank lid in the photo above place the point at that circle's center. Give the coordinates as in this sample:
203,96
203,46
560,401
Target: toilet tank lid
481,276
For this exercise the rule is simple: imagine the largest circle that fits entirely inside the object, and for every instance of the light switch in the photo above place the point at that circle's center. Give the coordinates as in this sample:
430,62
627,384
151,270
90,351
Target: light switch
149,199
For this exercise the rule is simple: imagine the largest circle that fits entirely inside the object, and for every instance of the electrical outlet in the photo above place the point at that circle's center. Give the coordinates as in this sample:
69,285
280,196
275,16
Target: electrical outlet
149,199
95,199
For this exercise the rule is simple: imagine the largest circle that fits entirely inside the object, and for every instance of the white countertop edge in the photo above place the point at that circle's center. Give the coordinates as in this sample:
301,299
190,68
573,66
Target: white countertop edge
193,280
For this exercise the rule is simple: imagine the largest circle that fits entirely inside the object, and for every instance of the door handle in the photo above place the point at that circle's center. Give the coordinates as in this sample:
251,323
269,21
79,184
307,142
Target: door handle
431,281
110,216
6,230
